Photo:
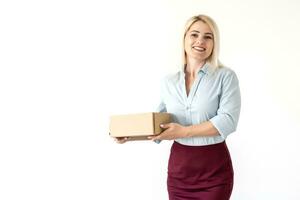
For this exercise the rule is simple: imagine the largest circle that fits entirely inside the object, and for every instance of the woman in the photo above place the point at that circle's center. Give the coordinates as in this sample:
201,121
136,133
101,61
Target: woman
204,100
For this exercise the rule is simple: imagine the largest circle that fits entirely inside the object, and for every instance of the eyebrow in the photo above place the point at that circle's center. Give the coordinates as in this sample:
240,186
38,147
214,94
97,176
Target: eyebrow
207,33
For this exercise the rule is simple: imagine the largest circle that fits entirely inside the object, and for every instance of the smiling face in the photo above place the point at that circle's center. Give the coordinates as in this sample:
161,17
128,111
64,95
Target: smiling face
198,41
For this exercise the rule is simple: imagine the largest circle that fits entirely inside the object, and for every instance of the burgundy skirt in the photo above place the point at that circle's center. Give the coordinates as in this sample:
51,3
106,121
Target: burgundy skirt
200,172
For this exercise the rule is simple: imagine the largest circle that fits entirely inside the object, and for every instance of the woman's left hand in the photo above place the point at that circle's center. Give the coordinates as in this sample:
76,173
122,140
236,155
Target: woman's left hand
172,131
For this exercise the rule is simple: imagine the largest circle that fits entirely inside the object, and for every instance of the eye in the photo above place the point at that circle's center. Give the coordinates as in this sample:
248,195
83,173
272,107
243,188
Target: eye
207,37
194,35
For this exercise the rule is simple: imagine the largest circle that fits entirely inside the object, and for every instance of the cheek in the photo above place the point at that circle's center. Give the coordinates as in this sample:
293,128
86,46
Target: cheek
188,42
187,46
211,46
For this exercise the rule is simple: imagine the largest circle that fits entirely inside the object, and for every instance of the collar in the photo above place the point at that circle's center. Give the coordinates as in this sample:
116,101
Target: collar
206,69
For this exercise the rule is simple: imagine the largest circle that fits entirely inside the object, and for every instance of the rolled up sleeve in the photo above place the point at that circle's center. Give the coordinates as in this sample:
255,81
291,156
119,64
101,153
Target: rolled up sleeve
161,107
228,112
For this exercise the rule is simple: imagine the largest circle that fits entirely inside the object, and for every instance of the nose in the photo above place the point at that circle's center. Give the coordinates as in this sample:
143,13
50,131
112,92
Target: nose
200,40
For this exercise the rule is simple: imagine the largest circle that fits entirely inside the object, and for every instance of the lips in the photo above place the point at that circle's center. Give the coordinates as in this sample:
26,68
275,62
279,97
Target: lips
200,49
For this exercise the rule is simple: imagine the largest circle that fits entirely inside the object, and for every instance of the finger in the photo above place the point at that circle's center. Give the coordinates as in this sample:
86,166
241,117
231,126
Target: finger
156,138
150,137
165,126
121,140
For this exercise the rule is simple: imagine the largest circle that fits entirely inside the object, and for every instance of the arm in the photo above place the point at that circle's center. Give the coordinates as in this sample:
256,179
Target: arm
174,131
203,129
228,113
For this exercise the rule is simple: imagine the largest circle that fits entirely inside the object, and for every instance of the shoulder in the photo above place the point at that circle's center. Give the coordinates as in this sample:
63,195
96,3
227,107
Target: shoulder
225,73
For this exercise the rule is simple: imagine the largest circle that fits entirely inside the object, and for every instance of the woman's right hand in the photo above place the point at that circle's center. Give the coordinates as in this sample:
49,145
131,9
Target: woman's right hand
121,140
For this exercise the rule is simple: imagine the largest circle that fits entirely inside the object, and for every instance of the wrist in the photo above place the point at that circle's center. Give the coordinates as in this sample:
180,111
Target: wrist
188,131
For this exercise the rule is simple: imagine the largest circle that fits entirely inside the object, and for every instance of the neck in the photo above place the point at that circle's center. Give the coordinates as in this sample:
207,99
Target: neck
193,66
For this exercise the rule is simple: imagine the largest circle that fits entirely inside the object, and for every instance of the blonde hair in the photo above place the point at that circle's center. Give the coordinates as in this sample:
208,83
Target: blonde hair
213,59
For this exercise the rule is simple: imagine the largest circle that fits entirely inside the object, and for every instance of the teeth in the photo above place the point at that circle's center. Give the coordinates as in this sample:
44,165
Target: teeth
199,48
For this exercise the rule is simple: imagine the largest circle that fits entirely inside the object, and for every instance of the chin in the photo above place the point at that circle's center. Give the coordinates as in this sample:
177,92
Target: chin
200,57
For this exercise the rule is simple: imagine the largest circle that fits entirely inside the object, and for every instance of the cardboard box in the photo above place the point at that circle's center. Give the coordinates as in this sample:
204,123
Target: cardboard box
138,126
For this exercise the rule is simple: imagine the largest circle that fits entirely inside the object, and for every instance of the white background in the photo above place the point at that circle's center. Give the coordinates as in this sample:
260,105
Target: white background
66,66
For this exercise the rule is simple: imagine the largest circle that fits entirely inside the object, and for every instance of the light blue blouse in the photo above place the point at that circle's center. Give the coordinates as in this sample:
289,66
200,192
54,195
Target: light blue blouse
214,96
